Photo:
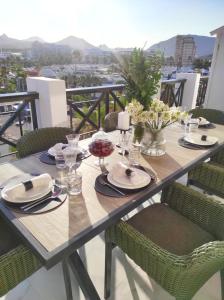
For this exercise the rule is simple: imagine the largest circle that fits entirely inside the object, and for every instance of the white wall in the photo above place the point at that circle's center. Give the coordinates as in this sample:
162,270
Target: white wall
51,106
215,91
190,89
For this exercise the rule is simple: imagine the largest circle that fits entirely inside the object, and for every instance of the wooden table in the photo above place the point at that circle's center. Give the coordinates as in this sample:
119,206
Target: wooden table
55,236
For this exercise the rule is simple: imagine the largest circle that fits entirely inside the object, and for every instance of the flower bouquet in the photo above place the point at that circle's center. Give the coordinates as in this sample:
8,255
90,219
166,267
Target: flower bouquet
159,116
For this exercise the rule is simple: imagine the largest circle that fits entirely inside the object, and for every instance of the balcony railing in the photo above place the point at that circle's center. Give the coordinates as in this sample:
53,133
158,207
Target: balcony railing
16,104
85,114
172,91
91,112
203,84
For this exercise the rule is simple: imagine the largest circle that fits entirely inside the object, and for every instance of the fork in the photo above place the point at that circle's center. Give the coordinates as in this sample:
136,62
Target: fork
53,196
102,181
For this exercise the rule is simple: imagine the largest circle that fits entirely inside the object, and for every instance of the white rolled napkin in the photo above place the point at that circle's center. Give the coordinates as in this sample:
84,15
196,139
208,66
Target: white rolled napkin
137,177
57,148
43,180
202,120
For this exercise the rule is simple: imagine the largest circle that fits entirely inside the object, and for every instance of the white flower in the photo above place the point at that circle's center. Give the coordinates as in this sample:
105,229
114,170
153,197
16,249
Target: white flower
159,115
165,116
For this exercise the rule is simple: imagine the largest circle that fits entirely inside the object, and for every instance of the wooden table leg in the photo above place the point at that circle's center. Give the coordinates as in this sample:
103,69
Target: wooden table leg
82,277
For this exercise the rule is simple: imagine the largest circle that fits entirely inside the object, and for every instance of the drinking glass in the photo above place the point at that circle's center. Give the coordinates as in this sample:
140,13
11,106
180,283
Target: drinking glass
74,183
59,158
124,142
187,120
60,179
73,139
134,156
70,156
193,125
61,168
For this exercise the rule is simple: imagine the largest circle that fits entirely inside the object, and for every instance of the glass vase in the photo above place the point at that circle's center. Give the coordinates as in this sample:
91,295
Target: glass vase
138,132
153,142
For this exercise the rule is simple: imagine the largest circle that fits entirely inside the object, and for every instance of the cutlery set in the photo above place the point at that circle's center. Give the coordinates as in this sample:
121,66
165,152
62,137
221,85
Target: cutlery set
52,196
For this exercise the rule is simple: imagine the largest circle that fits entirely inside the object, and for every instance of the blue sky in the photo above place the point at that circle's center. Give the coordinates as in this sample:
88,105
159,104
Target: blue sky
117,23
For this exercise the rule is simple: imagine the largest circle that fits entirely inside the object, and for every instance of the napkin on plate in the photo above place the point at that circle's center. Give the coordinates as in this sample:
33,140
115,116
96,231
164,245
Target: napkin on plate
43,180
202,121
137,177
57,148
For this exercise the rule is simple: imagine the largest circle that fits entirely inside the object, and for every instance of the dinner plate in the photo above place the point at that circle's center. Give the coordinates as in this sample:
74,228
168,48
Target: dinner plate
52,151
25,196
130,186
195,139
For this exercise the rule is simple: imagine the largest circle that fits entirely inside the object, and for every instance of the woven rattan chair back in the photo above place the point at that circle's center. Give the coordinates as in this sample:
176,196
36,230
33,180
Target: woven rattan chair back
110,122
41,139
180,275
212,115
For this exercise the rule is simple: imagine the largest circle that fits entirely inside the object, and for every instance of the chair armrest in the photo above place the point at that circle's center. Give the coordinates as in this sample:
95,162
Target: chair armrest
15,266
205,211
210,176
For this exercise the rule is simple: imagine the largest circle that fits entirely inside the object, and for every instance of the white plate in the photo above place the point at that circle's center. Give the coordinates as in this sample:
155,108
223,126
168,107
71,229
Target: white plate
26,196
52,150
195,138
147,180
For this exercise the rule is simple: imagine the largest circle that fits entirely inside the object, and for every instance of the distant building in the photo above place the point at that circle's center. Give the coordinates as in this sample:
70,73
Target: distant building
47,72
7,54
185,50
21,84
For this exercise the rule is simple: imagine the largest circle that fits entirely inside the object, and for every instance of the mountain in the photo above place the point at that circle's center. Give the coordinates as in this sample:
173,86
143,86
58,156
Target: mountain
75,43
167,47
71,41
35,39
10,43
204,45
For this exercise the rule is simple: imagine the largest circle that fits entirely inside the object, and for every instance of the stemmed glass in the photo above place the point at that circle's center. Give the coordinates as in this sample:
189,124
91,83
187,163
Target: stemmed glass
187,120
124,142
70,156
73,139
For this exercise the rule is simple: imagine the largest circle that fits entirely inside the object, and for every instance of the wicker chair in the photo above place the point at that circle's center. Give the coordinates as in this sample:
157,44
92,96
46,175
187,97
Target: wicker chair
110,121
209,176
178,242
212,115
41,139
16,261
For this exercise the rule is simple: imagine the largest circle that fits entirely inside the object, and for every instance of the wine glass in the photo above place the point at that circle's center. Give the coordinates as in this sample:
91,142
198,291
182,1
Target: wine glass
73,139
124,142
187,119
70,156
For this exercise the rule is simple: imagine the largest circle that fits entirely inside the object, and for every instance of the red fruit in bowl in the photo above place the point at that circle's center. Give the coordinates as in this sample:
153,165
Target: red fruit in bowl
101,148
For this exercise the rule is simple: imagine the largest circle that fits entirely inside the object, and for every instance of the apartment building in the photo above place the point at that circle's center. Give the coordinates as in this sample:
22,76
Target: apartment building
185,50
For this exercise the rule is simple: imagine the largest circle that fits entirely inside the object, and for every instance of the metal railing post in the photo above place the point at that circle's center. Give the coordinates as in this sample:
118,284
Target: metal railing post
34,114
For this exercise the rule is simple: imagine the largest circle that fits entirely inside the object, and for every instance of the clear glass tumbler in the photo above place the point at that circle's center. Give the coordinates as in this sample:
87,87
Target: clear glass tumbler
134,156
74,183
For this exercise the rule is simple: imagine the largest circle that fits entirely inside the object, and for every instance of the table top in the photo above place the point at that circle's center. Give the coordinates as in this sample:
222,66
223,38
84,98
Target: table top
55,234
